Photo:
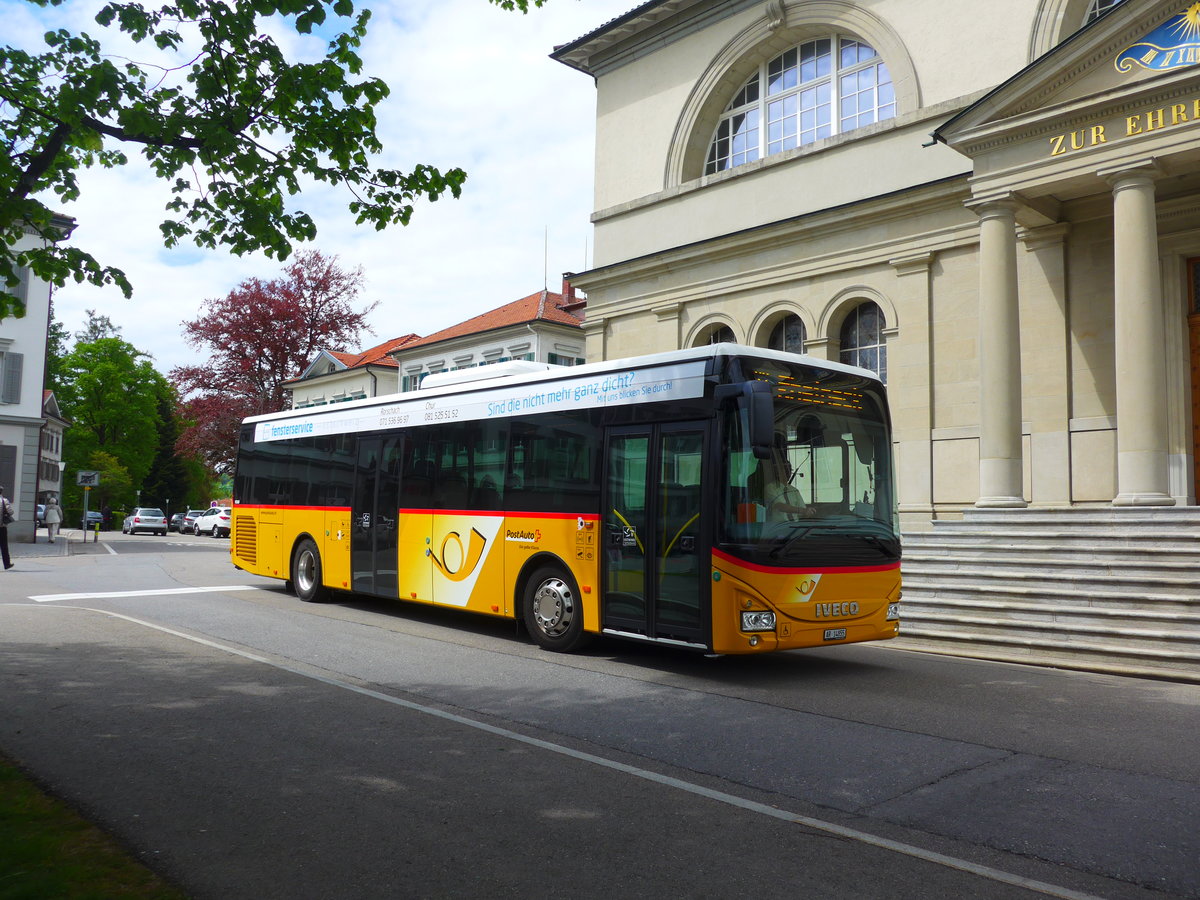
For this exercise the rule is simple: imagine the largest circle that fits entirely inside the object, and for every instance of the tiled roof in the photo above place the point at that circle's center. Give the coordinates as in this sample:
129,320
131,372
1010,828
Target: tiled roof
375,356
540,307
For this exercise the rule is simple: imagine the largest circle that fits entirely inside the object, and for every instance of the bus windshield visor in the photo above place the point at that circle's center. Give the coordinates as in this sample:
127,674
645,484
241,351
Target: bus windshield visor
823,496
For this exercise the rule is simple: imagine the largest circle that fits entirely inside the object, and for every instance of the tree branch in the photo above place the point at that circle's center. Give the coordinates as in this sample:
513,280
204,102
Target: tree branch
40,164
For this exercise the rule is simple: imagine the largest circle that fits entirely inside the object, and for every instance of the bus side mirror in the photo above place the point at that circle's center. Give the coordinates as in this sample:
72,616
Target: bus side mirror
756,399
760,406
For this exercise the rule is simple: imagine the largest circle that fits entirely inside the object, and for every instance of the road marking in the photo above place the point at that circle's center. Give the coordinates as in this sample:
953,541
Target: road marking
863,837
53,598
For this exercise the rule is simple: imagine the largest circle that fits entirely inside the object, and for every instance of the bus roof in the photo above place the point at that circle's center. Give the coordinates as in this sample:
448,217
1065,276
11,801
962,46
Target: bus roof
553,373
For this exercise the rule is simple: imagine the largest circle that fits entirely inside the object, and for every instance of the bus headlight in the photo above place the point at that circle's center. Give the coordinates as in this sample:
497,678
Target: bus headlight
893,612
758,620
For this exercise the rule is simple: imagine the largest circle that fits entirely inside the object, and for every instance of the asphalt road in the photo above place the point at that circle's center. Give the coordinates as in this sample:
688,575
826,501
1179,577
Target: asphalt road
248,745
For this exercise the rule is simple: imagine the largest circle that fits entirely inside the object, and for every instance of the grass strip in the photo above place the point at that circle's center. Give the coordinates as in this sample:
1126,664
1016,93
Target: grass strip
49,850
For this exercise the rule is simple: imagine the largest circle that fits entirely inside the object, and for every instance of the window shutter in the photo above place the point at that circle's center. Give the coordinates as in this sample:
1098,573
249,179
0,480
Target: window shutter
13,363
22,289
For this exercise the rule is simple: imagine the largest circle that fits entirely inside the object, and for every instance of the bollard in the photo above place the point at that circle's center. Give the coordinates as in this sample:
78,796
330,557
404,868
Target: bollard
96,533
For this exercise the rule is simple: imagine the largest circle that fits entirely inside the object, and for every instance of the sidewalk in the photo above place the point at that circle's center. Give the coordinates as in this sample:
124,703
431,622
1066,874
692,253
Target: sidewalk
69,541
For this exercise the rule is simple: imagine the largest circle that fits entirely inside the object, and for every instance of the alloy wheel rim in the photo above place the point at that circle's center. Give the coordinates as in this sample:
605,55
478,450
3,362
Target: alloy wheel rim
553,607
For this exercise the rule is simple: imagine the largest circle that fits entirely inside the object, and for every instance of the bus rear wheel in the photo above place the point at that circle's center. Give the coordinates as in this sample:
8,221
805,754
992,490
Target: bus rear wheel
306,573
552,611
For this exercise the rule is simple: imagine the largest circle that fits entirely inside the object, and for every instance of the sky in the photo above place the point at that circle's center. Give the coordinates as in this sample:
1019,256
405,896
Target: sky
471,86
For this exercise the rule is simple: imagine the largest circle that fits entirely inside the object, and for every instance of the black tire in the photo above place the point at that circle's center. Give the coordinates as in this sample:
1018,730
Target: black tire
553,611
306,573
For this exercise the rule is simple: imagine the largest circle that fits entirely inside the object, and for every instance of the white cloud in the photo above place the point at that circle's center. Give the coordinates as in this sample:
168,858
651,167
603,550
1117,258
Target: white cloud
472,86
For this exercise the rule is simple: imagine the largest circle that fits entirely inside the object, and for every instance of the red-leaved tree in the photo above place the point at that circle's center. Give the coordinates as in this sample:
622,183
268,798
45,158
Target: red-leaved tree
260,335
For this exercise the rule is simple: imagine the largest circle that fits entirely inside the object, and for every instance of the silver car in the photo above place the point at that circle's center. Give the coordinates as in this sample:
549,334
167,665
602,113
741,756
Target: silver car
189,521
145,518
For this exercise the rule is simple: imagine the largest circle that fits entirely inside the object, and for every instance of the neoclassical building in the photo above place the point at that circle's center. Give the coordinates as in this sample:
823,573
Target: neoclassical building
994,205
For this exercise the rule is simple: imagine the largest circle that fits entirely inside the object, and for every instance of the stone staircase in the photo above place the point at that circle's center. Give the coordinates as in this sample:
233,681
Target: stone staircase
1105,590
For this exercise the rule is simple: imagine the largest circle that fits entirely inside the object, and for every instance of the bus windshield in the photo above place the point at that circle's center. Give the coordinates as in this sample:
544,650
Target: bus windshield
823,497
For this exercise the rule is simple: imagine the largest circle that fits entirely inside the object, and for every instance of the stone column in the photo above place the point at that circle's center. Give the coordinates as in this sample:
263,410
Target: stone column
1046,400
1139,321
910,388
595,337
1000,459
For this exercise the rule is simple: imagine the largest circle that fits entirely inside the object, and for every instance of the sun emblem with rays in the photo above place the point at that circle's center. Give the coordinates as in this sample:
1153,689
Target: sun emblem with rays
1188,25
1172,45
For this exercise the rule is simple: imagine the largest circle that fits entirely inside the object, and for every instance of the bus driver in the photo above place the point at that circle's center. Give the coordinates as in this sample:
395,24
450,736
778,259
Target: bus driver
783,500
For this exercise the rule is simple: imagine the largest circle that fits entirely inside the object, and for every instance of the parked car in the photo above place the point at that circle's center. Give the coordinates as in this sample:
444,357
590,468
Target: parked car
176,522
145,518
41,515
215,522
189,521
94,518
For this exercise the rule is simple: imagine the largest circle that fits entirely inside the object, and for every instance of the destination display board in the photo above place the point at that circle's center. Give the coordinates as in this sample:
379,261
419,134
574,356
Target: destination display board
649,385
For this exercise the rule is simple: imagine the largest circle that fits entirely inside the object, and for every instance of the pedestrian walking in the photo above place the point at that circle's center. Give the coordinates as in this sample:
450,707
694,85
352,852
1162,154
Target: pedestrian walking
7,515
54,516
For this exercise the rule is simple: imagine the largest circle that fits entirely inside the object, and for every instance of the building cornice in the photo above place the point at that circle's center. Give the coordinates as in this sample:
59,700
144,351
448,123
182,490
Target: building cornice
949,193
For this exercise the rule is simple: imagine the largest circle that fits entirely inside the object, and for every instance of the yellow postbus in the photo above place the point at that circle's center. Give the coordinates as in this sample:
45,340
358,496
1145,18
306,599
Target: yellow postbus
725,498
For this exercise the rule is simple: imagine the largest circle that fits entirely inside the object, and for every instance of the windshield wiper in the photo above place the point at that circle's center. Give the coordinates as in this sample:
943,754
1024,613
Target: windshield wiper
884,547
793,537
801,530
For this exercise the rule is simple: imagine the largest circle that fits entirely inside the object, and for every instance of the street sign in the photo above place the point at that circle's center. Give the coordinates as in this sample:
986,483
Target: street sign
87,479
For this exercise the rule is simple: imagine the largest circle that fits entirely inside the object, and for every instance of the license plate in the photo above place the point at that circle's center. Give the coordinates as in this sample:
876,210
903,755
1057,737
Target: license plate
835,634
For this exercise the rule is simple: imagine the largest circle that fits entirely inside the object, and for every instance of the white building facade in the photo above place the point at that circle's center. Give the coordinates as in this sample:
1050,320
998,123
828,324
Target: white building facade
22,376
543,327
337,377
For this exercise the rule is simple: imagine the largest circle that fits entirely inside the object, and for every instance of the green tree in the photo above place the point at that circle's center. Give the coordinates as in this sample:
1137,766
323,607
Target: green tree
110,394
234,131
96,327
116,488
56,351
170,482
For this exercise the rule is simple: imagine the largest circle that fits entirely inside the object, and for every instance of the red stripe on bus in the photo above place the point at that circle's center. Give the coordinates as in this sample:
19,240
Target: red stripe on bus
514,514
308,508
807,570
591,517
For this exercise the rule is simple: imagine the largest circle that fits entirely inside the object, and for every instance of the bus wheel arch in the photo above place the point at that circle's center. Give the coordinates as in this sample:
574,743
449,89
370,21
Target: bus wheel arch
306,571
550,605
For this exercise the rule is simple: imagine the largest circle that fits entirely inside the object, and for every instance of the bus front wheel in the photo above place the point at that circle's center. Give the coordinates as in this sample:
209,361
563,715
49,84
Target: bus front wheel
306,573
552,611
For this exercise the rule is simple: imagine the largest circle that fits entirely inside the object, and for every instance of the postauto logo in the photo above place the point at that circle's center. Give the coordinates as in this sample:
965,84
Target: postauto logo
456,562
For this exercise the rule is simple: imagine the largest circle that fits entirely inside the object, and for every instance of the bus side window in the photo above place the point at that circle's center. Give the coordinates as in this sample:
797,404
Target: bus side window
487,446
555,465
416,480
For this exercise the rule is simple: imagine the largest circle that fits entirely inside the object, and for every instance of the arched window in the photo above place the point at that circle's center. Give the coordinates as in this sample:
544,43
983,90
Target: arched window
862,339
717,334
814,90
1097,8
788,334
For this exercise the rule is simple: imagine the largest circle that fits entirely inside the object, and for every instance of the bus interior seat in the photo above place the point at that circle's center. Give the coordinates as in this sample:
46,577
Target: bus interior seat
419,481
487,495
454,491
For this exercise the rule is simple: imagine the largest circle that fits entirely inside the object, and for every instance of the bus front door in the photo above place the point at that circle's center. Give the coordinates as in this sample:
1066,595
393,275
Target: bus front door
654,583
373,525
